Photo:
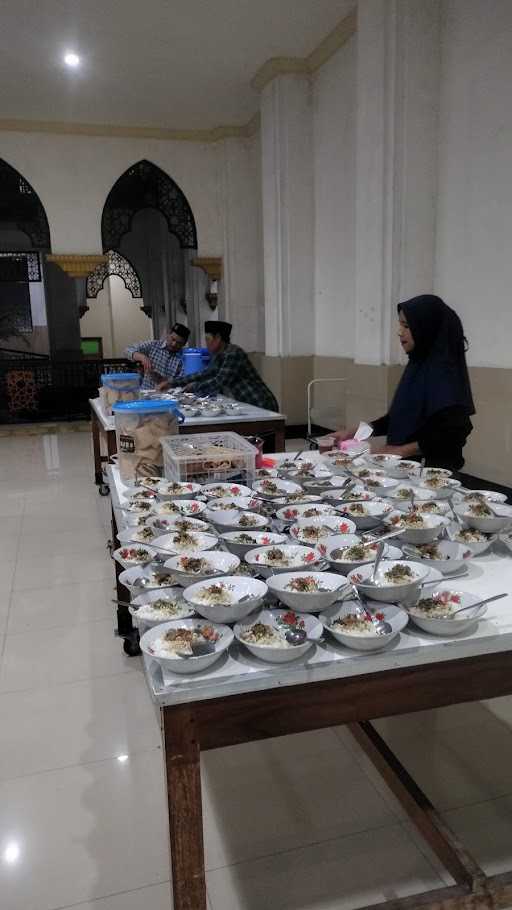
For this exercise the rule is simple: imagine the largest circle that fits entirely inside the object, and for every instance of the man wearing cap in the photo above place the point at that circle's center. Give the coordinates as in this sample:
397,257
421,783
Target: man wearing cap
161,360
230,372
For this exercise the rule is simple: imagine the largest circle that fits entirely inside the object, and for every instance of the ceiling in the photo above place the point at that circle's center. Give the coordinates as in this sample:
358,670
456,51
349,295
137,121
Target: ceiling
174,64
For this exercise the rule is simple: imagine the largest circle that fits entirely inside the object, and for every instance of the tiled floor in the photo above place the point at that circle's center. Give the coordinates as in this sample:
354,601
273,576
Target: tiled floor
298,823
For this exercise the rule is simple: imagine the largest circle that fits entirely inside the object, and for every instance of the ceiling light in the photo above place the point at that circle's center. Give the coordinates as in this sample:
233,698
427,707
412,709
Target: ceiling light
11,853
71,59
122,758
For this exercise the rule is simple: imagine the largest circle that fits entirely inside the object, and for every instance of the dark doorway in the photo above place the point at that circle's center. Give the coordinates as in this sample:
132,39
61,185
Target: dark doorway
148,219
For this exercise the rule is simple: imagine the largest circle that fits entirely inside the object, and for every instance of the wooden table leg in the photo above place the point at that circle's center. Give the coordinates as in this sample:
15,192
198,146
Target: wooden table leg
279,438
182,763
95,428
111,443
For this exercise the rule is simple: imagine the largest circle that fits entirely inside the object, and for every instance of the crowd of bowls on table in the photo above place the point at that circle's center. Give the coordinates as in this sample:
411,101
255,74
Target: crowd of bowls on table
221,565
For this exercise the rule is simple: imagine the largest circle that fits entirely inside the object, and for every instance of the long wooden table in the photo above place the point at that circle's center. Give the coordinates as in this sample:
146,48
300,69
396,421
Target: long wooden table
270,425
241,699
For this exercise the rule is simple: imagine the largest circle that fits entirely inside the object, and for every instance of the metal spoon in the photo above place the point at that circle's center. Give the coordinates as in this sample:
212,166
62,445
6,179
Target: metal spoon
381,626
199,649
411,496
144,582
438,581
479,603
298,637
378,557
242,600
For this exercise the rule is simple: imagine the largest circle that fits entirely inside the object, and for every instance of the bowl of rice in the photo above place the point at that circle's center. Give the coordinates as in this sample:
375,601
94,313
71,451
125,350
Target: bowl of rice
433,612
264,634
307,592
349,625
226,599
169,644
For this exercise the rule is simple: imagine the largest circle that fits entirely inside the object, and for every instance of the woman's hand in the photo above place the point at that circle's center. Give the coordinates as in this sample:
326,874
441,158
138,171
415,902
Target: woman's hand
343,433
163,386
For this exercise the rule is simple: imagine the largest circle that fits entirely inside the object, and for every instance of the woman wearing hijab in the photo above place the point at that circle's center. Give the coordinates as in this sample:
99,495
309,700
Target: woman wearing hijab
429,416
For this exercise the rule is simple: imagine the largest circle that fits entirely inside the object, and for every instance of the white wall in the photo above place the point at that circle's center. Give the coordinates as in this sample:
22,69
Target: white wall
334,119
474,212
74,174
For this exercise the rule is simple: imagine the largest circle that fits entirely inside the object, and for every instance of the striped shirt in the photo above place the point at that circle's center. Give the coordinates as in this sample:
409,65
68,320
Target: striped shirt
168,364
231,373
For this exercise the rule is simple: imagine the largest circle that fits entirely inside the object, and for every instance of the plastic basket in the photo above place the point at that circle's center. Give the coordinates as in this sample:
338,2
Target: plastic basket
208,457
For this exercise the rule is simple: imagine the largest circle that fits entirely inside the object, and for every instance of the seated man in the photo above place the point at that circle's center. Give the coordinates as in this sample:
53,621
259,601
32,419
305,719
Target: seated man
161,360
230,372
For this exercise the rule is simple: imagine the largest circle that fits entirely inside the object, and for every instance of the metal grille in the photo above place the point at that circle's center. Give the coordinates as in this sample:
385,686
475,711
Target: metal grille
116,265
21,207
32,260
146,186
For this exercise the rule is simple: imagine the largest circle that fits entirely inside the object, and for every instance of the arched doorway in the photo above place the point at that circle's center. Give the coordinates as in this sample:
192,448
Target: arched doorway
148,219
24,238
115,311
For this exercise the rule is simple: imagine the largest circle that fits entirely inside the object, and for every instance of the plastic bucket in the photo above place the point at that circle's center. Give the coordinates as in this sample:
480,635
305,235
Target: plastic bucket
140,426
195,360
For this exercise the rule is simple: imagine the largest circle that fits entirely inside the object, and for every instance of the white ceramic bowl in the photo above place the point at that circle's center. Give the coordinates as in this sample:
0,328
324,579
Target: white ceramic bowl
479,495
382,462
192,540
385,590
186,665
307,510
448,627
329,547
305,470
477,547
145,617
237,521
499,521
170,489
130,563
217,507
429,530
134,533
234,588
298,557
404,469
273,488
188,507
436,472
506,539
162,525
369,640
222,563
287,652
452,556
367,515
223,490
422,501
128,577
310,531
338,463
321,485
261,473
257,539
381,486
358,493
447,488
302,498
307,602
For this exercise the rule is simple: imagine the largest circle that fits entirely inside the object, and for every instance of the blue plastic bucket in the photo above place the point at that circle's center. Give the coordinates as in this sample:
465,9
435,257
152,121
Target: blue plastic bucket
195,360
153,406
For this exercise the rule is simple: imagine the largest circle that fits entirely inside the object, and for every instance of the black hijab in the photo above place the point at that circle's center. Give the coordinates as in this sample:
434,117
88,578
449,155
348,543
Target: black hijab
436,376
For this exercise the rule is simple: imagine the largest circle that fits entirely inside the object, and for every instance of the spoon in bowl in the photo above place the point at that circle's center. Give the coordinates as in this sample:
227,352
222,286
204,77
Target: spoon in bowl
381,626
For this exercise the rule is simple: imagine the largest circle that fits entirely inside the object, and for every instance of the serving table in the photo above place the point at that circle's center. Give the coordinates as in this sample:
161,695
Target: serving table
241,699
270,425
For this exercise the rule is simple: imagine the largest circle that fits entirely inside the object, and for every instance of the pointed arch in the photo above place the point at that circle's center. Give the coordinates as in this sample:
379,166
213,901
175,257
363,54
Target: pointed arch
21,207
119,265
142,186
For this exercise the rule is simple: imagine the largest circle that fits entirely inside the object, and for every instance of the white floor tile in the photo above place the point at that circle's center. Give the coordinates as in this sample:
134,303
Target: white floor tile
301,780
54,727
66,654
83,832
343,873
486,830
155,897
61,605
61,569
459,766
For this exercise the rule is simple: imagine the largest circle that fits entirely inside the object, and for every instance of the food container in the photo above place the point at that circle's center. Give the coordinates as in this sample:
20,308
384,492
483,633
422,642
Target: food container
116,387
209,457
140,426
